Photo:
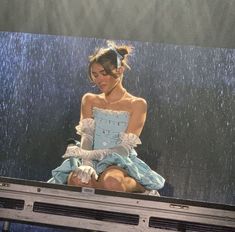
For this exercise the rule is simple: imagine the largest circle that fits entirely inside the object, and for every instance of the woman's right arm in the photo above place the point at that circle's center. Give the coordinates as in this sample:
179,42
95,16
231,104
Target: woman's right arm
86,106
86,125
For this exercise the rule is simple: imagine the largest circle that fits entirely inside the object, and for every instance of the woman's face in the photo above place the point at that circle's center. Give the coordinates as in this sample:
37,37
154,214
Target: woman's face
104,81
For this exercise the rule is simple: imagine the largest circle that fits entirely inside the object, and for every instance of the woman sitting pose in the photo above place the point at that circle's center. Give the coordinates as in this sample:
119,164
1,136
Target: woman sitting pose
110,126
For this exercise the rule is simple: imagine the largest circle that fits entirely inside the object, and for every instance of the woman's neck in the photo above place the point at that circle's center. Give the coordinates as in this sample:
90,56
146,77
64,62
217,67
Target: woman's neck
116,94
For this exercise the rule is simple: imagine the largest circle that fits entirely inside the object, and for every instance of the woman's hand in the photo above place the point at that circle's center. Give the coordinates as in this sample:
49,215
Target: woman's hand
73,151
129,141
85,173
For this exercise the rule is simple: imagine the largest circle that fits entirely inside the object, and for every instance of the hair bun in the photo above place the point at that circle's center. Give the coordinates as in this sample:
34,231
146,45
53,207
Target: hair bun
122,51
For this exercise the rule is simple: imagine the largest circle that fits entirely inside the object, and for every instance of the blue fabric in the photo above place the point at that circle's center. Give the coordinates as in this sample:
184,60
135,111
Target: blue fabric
108,125
60,174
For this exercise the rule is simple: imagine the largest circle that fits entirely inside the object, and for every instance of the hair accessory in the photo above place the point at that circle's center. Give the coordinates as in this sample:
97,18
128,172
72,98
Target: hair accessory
119,56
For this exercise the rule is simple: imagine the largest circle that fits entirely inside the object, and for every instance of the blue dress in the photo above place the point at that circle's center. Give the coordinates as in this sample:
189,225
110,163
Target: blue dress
108,126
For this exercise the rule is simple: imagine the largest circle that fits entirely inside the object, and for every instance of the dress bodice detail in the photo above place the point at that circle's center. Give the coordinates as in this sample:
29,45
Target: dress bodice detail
109,130
108,126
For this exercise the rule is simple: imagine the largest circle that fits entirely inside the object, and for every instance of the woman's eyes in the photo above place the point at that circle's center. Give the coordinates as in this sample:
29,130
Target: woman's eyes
102,73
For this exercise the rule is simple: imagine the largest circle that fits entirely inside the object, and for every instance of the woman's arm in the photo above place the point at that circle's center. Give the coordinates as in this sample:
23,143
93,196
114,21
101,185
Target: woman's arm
86,130
86,124
138,116
86,106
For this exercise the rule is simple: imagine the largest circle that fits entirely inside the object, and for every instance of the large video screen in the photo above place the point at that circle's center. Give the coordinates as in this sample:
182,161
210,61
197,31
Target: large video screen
189,133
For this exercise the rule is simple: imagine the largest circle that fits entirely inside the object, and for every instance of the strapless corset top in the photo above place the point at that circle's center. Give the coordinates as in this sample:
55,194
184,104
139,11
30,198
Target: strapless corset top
108,125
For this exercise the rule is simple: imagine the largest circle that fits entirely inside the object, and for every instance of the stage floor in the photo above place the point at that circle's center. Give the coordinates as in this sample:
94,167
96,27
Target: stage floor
73,207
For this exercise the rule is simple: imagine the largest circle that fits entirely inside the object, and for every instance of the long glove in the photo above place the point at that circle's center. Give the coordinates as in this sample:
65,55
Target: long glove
128,142
86,130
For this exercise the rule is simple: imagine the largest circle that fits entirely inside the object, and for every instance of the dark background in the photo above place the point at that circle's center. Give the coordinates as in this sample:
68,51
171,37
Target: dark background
183,64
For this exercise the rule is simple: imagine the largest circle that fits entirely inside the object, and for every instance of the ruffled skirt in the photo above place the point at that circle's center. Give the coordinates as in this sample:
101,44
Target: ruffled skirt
134,166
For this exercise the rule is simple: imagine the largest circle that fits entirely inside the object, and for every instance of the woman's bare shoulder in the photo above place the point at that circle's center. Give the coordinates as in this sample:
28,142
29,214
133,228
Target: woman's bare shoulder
90,97
138,102
89,100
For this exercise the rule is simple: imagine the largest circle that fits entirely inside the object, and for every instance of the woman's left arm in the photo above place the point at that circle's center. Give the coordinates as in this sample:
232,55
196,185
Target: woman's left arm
138,116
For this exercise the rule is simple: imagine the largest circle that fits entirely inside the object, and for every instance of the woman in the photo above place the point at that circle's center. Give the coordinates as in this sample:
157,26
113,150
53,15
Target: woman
110,126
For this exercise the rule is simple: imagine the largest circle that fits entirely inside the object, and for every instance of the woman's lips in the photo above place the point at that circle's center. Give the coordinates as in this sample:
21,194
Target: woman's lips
101,86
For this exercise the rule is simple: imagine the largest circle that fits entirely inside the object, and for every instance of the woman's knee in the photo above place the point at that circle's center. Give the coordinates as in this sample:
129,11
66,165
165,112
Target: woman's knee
114,183
73,179
132,185
113,179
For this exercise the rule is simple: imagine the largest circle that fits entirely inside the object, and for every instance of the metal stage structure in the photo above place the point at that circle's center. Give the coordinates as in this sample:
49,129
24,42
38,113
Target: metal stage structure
73,207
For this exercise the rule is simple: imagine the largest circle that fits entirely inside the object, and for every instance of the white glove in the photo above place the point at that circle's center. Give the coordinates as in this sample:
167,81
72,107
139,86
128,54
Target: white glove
86,129
86,155
85,172
128,142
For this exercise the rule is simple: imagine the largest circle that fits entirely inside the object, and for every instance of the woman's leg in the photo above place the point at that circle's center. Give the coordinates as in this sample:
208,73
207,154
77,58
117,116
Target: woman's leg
116,179
74,180
113,178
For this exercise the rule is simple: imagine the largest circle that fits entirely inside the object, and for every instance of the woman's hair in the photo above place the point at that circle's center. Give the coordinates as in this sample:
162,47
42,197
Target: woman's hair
111,57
